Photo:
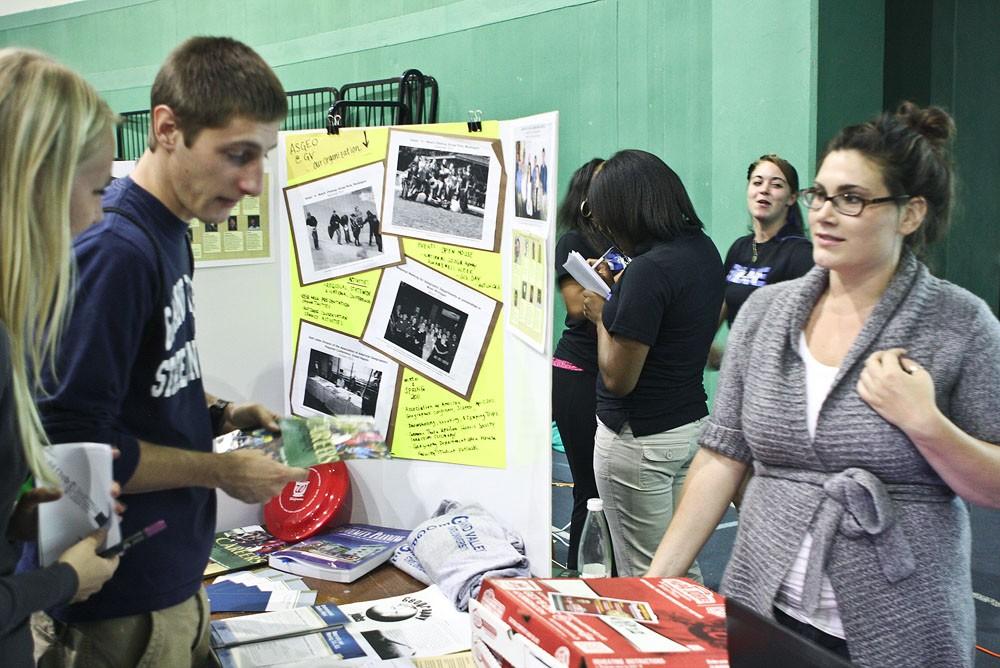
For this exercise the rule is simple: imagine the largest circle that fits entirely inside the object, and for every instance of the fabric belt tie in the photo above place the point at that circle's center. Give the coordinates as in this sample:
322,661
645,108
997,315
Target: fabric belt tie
856,504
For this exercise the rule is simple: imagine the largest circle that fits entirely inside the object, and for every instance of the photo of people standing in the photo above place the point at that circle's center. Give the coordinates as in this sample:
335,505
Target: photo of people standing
340,239
531,181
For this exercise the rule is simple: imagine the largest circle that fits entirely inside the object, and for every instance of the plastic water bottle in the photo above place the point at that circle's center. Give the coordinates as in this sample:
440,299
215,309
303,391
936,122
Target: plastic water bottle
595,543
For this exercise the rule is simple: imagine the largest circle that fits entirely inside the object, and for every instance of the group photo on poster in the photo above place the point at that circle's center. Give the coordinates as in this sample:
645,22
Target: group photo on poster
336,374
336,225
534,175
443,188
431,323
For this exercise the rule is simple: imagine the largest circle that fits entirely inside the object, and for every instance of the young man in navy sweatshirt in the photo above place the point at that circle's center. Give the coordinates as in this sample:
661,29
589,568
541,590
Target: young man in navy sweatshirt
129,374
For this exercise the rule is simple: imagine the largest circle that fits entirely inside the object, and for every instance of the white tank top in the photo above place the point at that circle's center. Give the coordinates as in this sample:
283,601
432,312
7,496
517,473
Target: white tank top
819,380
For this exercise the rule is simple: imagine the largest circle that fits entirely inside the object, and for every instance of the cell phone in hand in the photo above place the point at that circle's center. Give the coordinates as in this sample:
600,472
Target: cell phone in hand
615,259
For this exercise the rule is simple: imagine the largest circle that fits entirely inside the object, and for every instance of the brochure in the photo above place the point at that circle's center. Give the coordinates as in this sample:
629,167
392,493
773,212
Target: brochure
419,625
257,591
241,548
341,555
84,472
304,442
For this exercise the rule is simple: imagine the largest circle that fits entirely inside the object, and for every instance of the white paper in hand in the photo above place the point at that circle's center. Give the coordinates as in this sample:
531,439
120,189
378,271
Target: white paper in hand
585,275
84,471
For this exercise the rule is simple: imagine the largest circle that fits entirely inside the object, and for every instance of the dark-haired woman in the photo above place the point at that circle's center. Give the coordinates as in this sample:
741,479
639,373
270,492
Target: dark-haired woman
777,249
653,335
868,405
574,362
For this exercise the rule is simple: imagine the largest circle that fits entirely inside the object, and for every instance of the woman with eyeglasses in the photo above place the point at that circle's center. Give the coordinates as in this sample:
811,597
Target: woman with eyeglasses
653,336
776,250
574,361
868,405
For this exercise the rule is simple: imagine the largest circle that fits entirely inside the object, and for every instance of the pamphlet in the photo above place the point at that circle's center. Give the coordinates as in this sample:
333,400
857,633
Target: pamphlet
241,548
84,472
305,442
341,555
585,275
257,591
418,625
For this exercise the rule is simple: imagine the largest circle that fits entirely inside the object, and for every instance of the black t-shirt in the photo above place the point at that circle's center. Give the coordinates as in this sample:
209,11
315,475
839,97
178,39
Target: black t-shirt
578,343
782,258
669,299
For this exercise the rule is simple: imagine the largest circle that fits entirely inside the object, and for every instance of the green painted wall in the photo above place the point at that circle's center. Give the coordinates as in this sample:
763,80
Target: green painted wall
971,253
850,48
707,85
942,52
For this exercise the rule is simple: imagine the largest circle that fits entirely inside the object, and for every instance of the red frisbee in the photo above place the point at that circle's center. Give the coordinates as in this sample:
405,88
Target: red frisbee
304,508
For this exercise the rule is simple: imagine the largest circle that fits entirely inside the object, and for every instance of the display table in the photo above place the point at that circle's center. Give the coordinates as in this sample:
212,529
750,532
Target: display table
384,582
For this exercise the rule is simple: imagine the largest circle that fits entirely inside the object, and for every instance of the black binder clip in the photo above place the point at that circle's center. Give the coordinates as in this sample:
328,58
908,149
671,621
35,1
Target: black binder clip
333,124
475,120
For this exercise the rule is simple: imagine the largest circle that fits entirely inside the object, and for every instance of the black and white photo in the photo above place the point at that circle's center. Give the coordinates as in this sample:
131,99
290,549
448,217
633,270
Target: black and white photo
425,326
336,374
336,225
433,324
443,188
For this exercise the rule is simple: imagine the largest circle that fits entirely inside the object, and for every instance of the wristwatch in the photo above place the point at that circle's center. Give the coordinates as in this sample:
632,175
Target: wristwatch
217,414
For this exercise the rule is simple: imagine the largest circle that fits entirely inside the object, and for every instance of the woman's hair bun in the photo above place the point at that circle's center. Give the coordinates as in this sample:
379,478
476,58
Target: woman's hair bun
934,123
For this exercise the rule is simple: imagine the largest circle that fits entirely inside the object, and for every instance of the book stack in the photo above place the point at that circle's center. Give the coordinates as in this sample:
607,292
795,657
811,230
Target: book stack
341,555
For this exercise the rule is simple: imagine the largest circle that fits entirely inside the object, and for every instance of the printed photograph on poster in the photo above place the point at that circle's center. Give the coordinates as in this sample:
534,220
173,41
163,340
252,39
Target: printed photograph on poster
335,374
443,188
531,164
433,324
336,225
529,276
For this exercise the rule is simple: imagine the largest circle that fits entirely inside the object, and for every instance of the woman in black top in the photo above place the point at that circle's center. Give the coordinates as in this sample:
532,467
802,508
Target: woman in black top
777,249
653,337
574,363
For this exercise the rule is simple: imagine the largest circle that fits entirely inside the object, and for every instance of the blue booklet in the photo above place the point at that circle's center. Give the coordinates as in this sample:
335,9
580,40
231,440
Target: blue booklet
341,555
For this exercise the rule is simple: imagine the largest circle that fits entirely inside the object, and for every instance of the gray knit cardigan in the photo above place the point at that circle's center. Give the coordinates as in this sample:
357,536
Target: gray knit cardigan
890,534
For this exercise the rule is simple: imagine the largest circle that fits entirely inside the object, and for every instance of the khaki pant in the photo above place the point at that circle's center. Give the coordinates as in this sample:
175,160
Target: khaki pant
175,637
639,478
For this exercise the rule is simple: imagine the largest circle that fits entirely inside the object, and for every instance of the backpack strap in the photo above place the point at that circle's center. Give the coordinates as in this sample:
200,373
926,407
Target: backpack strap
157,247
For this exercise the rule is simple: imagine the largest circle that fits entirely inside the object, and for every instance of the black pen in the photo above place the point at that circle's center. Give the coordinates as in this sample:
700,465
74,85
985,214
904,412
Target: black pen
139,536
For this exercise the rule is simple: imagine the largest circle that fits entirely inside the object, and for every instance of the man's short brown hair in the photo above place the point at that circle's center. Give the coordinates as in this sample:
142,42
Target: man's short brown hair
208,81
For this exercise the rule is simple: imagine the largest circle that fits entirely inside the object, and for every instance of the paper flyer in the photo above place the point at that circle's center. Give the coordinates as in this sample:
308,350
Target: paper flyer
421,624
243,238
528,298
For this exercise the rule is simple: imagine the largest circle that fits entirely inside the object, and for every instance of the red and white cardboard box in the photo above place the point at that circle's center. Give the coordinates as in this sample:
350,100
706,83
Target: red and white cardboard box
598,623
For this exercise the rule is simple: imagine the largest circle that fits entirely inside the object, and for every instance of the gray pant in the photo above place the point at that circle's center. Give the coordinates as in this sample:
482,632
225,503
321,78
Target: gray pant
639,479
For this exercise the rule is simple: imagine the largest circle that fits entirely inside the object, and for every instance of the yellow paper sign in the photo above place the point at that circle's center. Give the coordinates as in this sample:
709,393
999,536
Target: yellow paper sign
430,421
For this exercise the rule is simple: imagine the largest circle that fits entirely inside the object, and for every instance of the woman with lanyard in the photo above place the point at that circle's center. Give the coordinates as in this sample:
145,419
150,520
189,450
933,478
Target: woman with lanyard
776,249
865,396
653,336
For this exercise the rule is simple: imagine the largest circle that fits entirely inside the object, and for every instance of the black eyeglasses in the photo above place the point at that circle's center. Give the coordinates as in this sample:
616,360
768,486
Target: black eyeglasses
849,204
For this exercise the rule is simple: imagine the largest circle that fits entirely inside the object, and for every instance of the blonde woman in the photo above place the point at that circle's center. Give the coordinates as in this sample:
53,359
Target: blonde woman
55,159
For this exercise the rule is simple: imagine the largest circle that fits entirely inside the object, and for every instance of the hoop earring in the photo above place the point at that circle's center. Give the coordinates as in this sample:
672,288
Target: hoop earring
585,209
